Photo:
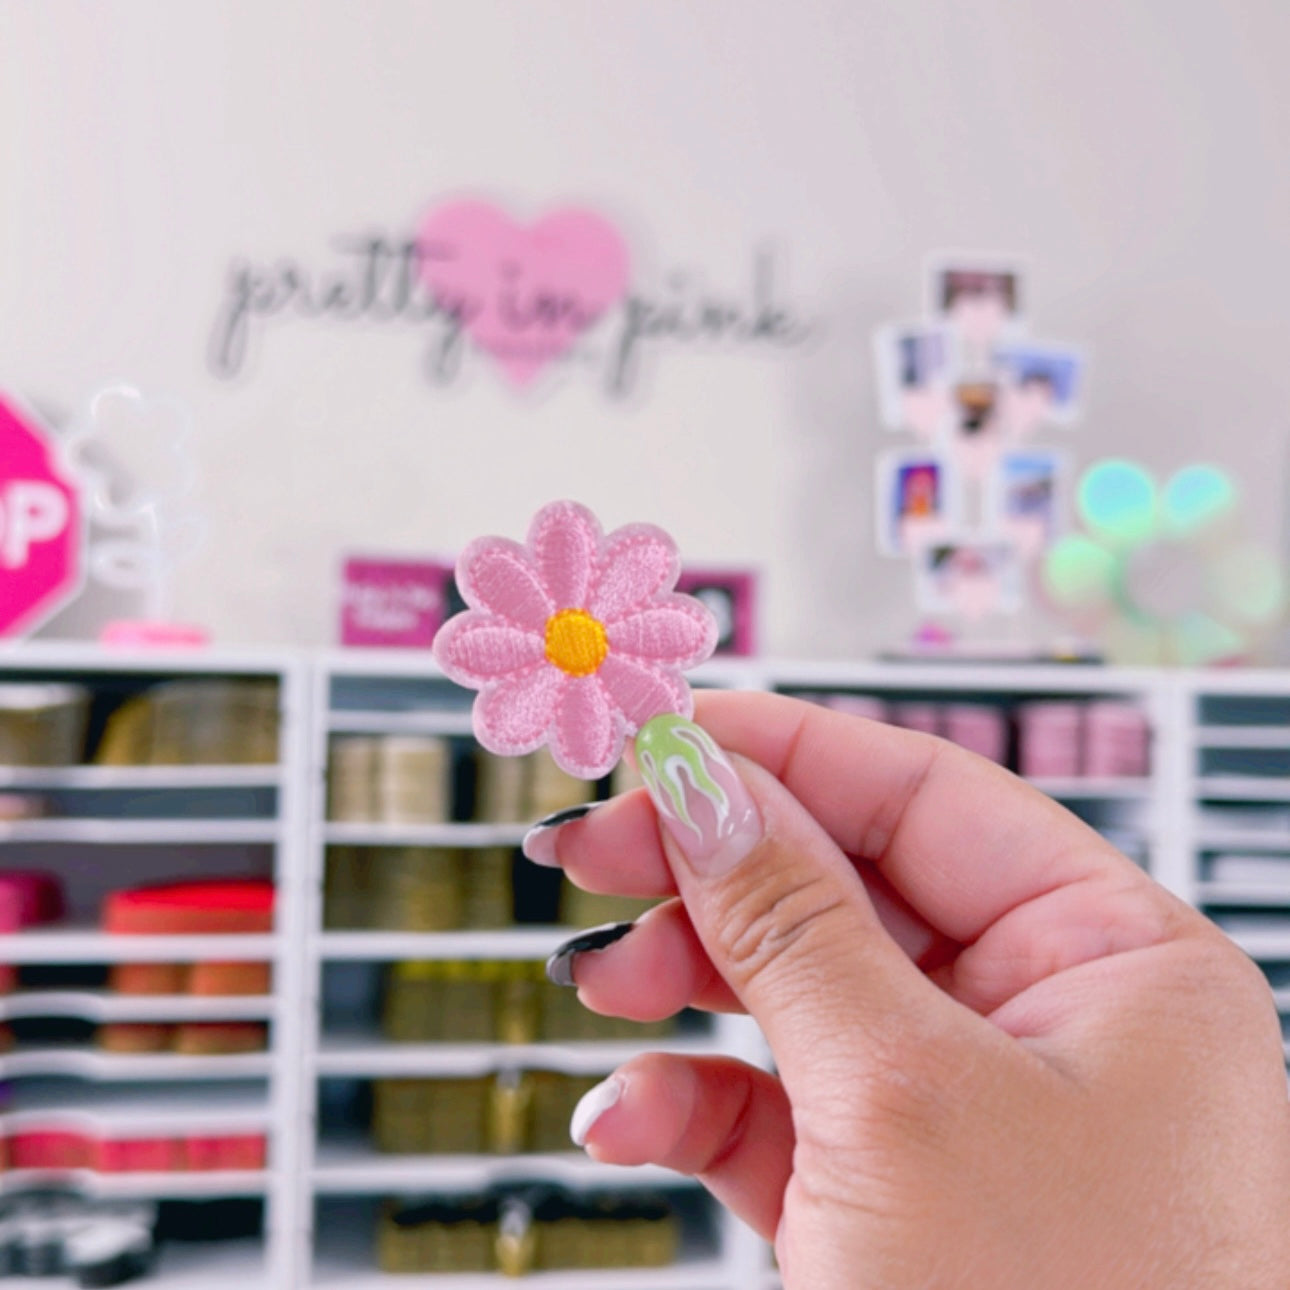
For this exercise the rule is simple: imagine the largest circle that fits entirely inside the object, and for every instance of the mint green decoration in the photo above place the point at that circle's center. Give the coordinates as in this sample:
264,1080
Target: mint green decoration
1247,581
1118,501
1163,574
1079,571
1196,497
670,750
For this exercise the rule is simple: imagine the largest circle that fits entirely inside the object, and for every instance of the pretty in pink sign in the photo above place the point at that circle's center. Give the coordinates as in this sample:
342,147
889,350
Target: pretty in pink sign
531,296
41,565
523,293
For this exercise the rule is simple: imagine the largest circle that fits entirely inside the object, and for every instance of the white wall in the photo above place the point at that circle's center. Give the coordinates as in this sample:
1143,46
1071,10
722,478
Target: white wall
1133,149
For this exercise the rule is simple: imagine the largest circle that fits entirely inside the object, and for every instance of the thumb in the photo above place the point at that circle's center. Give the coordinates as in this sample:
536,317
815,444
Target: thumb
781,911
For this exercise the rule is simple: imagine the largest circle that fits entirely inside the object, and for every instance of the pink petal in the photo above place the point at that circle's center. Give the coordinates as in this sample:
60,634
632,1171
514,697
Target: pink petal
639,561
643,690
497,574
588,736
514,715
565,540
679,630
474,647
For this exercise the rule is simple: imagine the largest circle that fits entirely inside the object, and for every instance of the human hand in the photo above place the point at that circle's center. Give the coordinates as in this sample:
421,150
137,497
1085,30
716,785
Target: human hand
1007,1059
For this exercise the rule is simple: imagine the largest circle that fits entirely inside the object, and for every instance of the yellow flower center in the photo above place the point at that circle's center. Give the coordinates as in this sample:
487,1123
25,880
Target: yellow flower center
576,642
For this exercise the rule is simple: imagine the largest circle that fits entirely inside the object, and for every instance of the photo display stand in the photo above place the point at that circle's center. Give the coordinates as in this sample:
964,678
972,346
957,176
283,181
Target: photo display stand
977,498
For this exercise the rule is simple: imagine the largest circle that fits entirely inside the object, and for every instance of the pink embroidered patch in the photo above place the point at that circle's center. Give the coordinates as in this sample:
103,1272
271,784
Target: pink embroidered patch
573,639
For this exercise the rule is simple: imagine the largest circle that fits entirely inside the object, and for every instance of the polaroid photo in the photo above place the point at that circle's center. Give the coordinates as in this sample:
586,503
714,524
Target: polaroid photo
976,436
976,407
979,297
731,595
914,365
918,501
1042,384
1026,500
969,578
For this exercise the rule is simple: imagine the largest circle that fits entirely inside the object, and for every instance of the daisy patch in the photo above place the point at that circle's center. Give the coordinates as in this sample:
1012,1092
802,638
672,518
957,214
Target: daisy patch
573,639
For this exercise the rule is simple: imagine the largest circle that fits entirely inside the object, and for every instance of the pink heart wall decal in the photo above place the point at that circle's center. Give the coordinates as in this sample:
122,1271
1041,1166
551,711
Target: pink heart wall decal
523,293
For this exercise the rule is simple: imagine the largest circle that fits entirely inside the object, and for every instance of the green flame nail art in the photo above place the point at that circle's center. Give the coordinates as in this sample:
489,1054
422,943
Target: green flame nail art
670,750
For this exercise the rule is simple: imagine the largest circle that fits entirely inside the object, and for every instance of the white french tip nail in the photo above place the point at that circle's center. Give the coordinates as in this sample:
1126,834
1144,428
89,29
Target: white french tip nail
592,1105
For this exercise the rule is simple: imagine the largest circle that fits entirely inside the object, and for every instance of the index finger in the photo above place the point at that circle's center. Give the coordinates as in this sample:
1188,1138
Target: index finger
962,840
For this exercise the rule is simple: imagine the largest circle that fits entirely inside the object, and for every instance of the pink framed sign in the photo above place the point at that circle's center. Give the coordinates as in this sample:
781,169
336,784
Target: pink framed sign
394,604
731,595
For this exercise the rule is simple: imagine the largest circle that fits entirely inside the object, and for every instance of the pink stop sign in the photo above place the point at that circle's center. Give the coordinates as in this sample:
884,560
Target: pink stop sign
40,525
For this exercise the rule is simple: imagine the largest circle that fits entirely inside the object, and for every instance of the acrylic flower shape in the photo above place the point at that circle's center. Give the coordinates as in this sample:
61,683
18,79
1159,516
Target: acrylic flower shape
1164,574
574,638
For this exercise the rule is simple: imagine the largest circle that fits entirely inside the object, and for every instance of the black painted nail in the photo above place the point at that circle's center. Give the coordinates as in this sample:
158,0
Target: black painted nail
559,967
539,841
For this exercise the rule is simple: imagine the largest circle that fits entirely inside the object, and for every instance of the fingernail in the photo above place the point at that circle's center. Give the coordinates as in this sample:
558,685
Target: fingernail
559,967
592,1105
539,841
698,794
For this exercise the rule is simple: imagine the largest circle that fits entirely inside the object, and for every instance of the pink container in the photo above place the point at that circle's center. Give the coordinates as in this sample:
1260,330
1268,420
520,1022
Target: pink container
21,806
202,1154
232,1151
27,898
979,728
917,716
48,1149
1117,740
1049,740
857,705
136,1155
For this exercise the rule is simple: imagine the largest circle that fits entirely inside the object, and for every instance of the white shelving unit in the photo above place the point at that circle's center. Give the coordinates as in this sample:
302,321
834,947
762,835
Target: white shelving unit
424,835
140,777
102,1005
84,943
1211,820
376,693
119,826
423,704
1237,814
345,1055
